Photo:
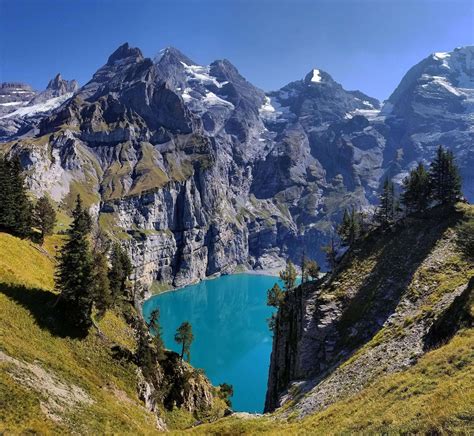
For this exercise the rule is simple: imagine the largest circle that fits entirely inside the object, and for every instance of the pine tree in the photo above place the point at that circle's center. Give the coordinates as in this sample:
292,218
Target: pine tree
44,217
100,283
121,268
387,209
289,275
417,190
7,219
350,228
444,178
74,270
312,269
331,253
184,335
155,329
22,208
15,206
275,296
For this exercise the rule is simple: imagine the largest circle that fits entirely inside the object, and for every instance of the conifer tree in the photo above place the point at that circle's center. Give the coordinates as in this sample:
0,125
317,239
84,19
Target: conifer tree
184,336
74,271
312,269
155,329
44,217
15,206
444,178
22,208
275,296
101,294
289,275
417,190
120,270
331,253
7,219
387,209
350,228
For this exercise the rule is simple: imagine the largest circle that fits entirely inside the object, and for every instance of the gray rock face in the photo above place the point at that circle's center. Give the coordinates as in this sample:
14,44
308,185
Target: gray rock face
14,96
198,171
21,108
368,319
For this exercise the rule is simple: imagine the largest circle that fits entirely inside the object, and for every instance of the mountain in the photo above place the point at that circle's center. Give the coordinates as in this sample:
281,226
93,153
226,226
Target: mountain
59,383
21,108
433,105
199,172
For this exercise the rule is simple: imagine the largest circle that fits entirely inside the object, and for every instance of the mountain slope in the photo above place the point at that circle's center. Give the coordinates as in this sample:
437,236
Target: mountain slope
198,172
52,381
384,344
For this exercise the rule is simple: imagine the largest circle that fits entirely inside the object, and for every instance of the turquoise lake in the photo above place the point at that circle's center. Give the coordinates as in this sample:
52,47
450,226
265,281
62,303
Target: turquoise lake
232,340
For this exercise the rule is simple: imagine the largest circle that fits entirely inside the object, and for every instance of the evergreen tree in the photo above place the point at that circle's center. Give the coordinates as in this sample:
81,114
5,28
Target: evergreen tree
331,253
289,275
275,296
226,391
444,178
184,335
15,206
387,209
22,208
350,228
155,329
312,269
417,190
44,217
120,270
74,271
100,283
7,219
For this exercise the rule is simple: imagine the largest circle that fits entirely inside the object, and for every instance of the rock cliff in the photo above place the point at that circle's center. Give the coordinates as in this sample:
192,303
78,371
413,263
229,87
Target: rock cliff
396,294
199,172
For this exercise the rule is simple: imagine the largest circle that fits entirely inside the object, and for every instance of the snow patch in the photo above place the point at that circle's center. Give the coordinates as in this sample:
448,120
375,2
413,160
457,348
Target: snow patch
316,78
48,105
201,75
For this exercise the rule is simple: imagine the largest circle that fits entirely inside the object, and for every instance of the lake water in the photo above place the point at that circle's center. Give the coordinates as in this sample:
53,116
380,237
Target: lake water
232,342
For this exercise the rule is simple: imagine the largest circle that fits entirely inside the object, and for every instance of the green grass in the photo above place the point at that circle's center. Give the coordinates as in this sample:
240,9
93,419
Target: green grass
26,329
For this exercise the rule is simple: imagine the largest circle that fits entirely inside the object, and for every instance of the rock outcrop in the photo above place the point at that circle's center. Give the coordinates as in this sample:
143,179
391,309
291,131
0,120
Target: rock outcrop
395,295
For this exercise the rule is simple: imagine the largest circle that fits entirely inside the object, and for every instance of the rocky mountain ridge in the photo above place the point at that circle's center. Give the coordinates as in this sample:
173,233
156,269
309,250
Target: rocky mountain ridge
199,172
395,295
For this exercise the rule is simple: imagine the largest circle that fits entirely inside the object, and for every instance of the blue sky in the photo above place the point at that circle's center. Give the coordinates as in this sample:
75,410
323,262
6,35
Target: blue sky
363,44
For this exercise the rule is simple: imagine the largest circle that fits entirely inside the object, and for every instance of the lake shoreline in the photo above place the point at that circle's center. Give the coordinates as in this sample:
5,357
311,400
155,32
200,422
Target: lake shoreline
272,272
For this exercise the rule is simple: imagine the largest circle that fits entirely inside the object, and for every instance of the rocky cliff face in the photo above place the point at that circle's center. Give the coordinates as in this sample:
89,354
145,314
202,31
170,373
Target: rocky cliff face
377,313
197,171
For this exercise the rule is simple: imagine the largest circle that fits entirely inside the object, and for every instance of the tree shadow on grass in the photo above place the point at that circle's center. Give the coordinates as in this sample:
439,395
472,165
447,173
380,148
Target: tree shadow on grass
42,306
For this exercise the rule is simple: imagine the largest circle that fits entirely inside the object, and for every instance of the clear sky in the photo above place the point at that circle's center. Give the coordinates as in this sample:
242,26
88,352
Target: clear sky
363,44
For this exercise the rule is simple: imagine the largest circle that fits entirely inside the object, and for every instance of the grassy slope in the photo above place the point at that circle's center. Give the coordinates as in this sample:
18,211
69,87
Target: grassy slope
435,395
26,281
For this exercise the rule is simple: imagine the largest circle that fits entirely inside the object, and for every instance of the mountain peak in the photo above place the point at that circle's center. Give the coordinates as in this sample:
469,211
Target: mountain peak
317,76
124,52
62,86
172,55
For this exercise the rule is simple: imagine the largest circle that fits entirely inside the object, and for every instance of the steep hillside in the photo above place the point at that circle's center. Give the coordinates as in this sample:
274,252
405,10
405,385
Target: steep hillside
384,344
52,381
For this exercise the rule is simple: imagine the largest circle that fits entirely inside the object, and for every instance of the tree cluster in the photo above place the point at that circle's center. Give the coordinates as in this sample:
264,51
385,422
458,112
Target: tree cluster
438,185
17,213
84,279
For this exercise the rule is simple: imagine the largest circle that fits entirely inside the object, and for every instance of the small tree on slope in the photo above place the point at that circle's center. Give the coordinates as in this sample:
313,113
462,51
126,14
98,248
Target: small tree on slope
444,178
184,336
